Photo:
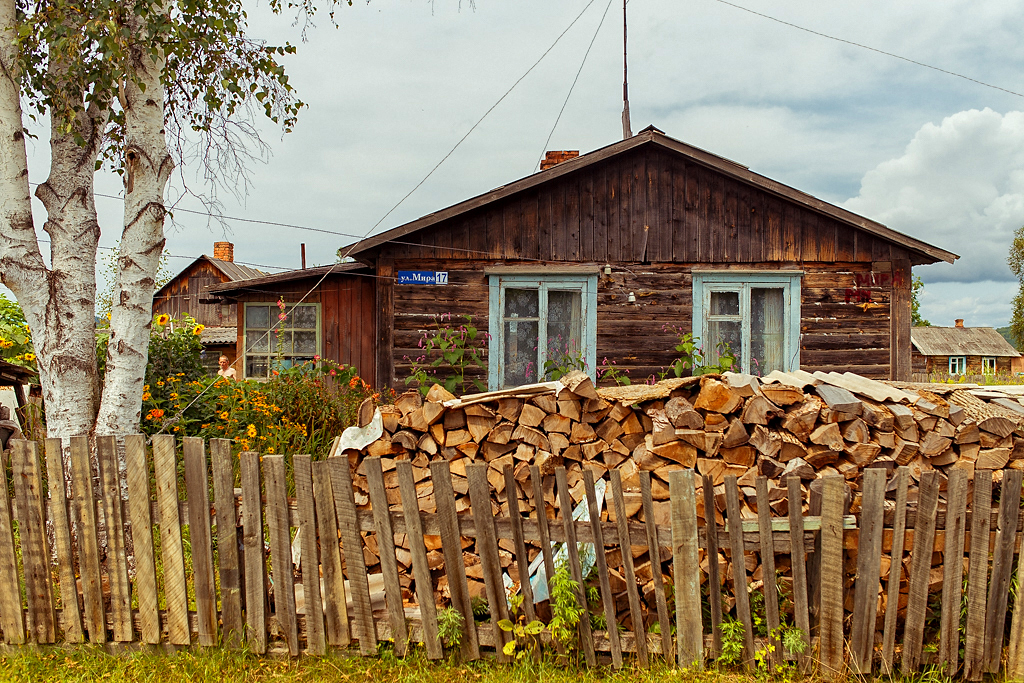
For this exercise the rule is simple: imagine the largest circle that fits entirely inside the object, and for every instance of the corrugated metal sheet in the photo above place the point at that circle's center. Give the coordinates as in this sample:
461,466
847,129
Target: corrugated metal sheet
219,335
235,271
961,341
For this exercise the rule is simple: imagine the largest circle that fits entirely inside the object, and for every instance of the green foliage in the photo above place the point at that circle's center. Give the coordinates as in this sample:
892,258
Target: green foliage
917,284
448,352
732,642
565,607
108,267
793,639
1015,260
175,350
481,610
10,312
693,360
563,357
525,636
15,336
608,372
449,627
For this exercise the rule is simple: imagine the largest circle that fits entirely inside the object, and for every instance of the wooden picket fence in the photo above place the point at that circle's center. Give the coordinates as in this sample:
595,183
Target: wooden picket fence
66,573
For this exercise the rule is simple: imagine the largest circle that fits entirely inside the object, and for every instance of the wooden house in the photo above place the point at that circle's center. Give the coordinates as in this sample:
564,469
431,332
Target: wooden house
611,255
962,350
187,294
330,311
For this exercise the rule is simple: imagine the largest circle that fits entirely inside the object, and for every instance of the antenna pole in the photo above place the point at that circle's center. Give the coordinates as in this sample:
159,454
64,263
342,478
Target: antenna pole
627,131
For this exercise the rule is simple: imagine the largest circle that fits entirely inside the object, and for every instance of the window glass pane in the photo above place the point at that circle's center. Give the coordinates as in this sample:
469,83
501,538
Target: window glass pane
304,342
767,331
277,335
564,340
520,352
257,316
257,340
725,303
722,334
522,303
256,366
303,317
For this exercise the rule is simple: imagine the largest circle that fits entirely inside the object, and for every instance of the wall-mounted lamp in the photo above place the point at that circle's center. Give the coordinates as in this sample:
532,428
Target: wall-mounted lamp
607,269
631,298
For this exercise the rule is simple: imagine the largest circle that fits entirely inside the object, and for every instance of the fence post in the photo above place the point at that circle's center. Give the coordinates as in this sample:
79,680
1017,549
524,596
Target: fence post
869,567
71,614
686,567
831,655
35,551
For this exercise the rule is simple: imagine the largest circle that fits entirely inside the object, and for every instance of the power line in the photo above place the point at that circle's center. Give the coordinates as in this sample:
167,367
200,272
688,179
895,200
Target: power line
868,47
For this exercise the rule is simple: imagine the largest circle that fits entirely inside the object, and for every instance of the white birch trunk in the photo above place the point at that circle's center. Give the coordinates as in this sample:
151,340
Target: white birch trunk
148,167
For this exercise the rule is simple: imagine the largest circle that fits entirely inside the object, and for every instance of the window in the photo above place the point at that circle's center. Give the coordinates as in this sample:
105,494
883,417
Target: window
957,365
536,318
988,365
298,336
755,314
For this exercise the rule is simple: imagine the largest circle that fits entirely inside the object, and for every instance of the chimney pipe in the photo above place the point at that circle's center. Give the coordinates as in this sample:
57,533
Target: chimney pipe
959,322
225,251
303,246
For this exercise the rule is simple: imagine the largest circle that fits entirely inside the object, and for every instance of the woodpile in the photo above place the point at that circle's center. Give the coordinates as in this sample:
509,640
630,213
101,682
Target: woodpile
781,426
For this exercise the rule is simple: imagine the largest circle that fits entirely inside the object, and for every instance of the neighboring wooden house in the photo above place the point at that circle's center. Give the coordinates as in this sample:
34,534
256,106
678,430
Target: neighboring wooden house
607,254
962,350
331,312
187,293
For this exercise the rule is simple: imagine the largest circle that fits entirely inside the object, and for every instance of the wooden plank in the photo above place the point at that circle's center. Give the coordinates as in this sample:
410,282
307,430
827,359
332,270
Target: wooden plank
869,568
352,545
316,643
197,489
487,549
739,569
228,561
686,567
451,546
801,613
12,617
607,599
35,551
519,543
88,542
895,571
977,576
116,555
335,598
831,625
920,568
953,569
1002,563
254,552
279,529
388,561
629,573
71,613
540,507
654,547
420,568
565,506
714,580
771,589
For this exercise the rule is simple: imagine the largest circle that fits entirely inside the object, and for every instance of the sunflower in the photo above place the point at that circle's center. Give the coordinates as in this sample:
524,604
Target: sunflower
198,330
163,319
30,356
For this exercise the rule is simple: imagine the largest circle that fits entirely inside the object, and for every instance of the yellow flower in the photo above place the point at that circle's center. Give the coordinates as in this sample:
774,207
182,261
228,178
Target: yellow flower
145,396
198,330
173,395
251,431
163,319
30,356
224,415
159,383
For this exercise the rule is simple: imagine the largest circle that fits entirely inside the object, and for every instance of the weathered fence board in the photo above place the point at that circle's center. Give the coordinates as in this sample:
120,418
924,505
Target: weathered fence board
71,613
228,561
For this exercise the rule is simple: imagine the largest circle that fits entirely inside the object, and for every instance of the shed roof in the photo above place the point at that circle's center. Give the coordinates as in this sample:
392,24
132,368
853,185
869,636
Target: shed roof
286,276
925,253
232,271
961,341
218,335
11,374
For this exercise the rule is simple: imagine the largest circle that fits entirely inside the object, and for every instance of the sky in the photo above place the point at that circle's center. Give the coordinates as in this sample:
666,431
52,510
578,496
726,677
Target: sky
394,87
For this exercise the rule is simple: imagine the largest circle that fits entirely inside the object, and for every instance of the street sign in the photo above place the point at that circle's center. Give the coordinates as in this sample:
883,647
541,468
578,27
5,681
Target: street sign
423,277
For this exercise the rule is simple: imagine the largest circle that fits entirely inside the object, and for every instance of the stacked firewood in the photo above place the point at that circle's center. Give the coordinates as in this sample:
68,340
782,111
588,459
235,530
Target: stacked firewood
784,425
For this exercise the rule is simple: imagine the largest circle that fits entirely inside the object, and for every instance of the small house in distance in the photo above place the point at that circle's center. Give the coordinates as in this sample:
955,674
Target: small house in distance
962,350
609,253
187,293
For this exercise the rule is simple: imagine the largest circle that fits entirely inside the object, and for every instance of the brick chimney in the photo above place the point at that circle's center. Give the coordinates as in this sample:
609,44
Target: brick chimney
225,251
557,157
959,322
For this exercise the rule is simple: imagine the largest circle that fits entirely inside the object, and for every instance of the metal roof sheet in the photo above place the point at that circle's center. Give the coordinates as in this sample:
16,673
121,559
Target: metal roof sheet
218,335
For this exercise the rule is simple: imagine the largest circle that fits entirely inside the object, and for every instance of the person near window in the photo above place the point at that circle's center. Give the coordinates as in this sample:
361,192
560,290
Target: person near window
226,370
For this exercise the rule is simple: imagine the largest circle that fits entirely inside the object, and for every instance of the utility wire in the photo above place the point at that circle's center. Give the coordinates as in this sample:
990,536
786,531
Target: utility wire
578,72
868,47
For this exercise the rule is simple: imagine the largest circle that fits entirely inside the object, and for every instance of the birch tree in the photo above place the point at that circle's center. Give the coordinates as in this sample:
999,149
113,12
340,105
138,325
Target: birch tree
134,87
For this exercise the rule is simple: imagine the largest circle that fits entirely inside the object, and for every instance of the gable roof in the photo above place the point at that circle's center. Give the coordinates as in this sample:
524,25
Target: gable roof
926,253
232,271
287,276
961,341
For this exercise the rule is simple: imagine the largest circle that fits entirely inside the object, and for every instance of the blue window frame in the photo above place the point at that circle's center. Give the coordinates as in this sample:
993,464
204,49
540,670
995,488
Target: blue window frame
540,317
957,365
755,313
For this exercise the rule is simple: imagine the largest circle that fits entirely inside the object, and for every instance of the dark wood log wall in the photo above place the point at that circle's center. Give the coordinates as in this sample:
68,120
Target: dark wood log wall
939,365
347,315
652,216
185,291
